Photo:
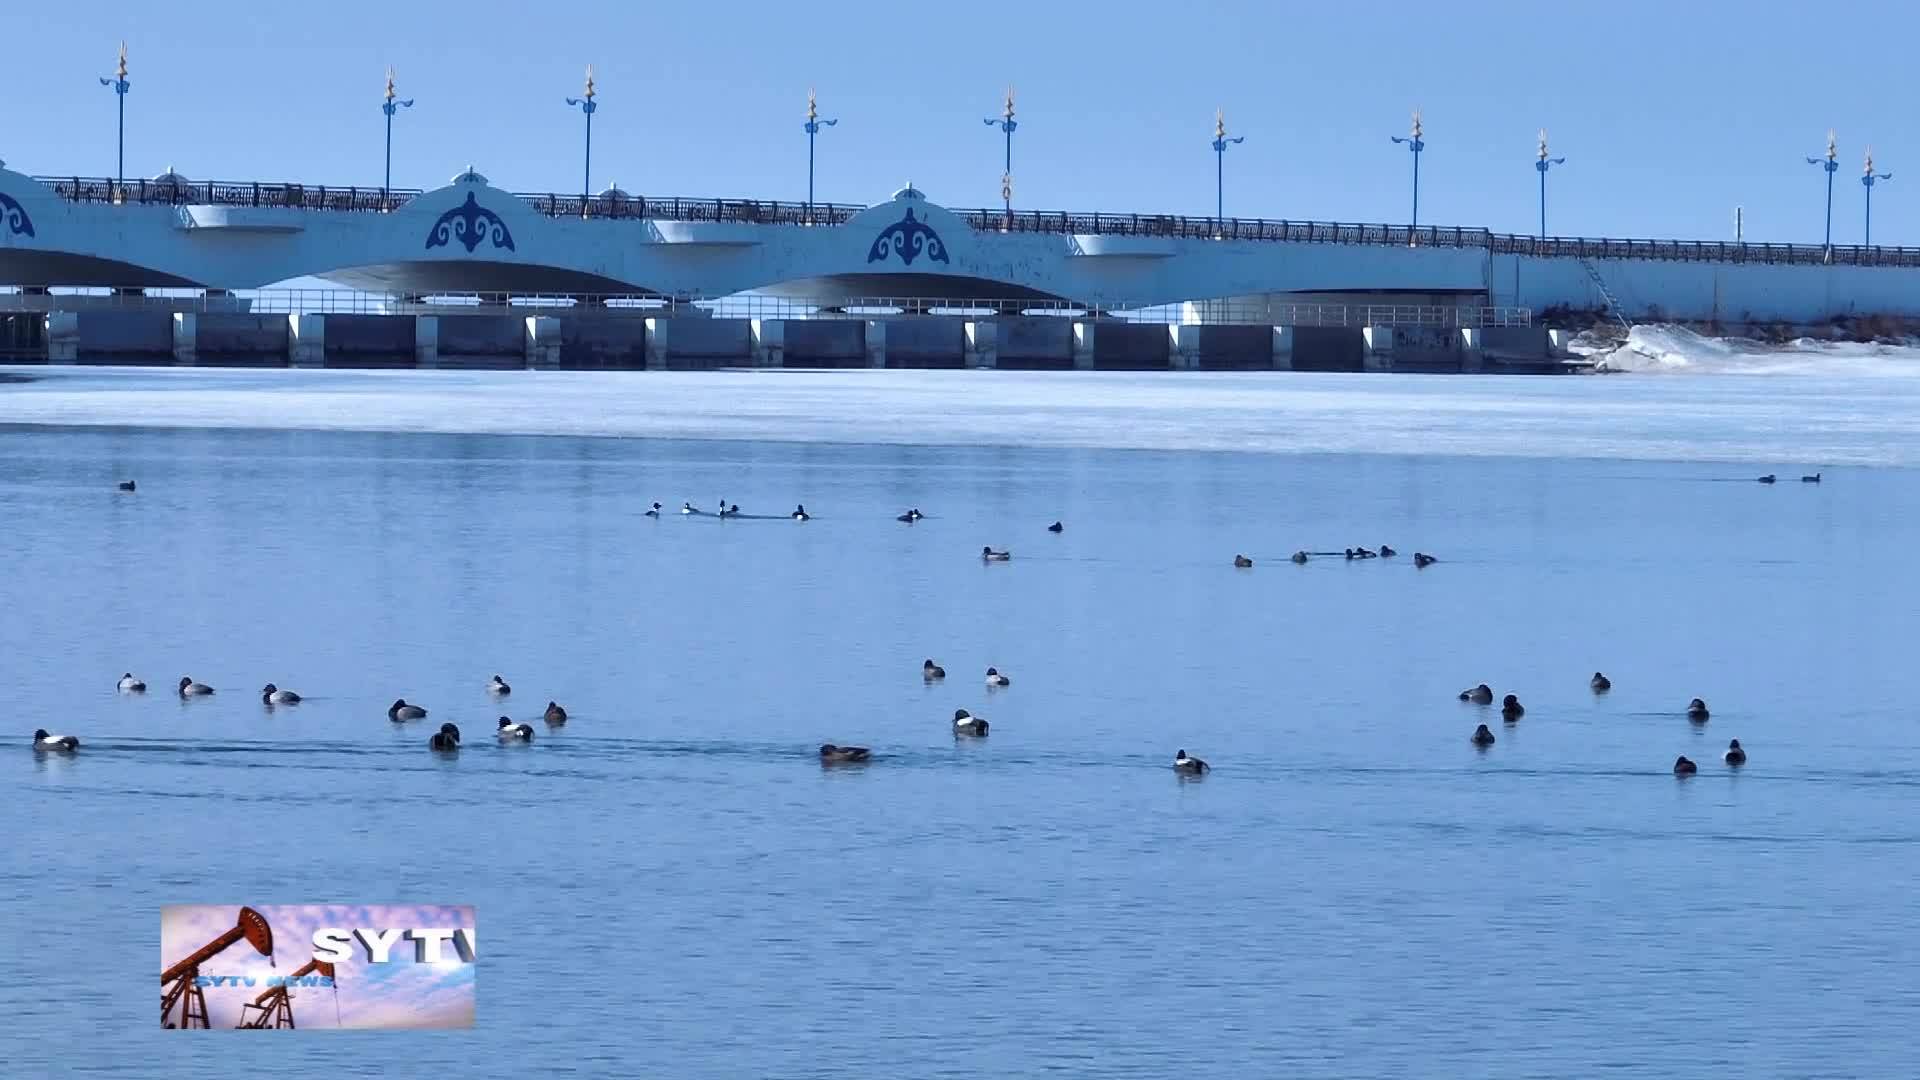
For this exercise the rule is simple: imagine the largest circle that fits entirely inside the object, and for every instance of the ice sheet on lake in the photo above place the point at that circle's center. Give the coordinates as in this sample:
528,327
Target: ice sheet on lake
1763,421
1674,349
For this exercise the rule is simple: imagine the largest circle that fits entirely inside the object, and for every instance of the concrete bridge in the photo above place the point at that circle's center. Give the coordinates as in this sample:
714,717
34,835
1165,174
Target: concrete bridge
470,237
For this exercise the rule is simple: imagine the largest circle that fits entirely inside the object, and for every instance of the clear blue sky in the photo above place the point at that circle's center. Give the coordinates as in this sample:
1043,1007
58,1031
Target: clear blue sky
1670,113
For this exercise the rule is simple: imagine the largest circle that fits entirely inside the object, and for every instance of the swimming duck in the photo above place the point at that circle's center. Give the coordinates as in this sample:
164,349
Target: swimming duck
400,710
1735,755
1600,684
58,744
1350,555
990,555
1814,479
965,723
1387,552
189,688
555,714
1184,764
994,678
1483,736
1767,479
1684,767
1242,561
130,685
510,730
687,508
1511,709
836,755
1422,559
931,671
1363,553
1479,695
909,517
447,738
800,513
734,510
654,510
128,485
273,695
1056,527
498,687
1697,710
1299,556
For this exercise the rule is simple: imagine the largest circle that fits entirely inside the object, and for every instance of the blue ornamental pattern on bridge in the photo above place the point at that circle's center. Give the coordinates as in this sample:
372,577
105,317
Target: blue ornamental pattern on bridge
14,216
909,238
468,224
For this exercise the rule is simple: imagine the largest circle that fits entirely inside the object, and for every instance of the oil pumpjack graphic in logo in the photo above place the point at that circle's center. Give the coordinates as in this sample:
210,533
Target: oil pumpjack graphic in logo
180,984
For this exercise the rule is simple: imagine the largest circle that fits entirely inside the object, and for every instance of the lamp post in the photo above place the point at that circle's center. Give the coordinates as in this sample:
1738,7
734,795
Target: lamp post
586,103
1006,124
1867,181
1220,142
1416,144
1831,164
814,124
1543,165
390,106
120,87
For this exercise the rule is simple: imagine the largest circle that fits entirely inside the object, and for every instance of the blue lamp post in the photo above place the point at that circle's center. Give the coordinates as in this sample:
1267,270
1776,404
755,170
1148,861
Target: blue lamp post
1416,144
120,87
587,106
1220,142
1543,165
390,106
813,126
1867,181
1008,125
1831,164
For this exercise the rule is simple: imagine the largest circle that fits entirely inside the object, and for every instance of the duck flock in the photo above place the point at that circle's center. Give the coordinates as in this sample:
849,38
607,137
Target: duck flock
966,725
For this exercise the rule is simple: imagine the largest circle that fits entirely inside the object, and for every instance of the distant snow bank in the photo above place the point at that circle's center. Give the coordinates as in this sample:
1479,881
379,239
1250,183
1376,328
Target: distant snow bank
1661,349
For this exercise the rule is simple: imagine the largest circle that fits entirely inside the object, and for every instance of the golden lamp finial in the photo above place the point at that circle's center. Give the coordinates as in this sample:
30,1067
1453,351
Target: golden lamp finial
1008,112
590,91
1416,123
1219,123
121,71
1832,146
1869,169
813,106
390,93
1543,144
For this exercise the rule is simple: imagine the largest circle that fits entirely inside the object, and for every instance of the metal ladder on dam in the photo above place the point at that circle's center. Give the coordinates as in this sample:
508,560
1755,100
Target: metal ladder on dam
1606,294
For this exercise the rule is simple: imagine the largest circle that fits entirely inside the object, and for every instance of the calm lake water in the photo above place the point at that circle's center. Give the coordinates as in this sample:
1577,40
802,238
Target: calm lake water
671,884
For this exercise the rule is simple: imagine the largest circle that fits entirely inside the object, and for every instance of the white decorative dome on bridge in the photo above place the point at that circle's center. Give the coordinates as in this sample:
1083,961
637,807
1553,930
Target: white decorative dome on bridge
910,192
471,176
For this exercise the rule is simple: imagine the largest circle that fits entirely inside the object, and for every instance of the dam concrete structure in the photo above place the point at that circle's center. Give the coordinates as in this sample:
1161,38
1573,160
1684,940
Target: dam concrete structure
1243,293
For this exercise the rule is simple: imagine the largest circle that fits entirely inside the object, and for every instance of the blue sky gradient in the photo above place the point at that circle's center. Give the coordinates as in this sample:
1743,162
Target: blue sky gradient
1670,114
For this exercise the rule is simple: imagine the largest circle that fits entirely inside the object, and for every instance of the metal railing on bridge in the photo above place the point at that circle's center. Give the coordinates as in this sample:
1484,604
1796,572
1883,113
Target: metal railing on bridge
757,306
173,190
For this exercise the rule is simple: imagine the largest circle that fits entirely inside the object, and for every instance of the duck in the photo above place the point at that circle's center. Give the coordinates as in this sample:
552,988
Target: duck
1363,553
1511,709
1767,479
931,671
498,687
1814,479
1350,555
839,755
909,517
447,738
1483,736
1735,755
130,685
1056,527
400,710
1479,695
1242,562
987,554
1299,556
128,485
654,510
800,513
687,508
965,723
994,678
1697,710
189,688
57,744
1600,684
1423,560
1684,767
555,714
1191,765
1387,552
510,730
734,510
273,695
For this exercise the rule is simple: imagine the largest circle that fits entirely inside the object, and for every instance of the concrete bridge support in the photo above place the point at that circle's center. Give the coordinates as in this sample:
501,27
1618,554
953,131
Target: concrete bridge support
1379,354
876,343
542,342
186,338
769,342
1473,353
1283,348
983,344
307,340
63,337
426,341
